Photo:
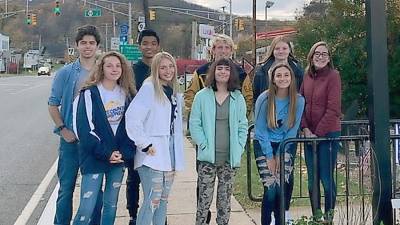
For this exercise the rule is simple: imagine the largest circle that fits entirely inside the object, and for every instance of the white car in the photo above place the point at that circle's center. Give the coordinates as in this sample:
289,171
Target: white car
44,70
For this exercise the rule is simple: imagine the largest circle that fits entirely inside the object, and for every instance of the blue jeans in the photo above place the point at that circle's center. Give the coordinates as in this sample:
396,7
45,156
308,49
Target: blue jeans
156,187
67,171
272,191
326,164
90,188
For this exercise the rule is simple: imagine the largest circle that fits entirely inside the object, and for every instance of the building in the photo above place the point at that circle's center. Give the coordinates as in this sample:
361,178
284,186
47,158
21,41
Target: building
4,43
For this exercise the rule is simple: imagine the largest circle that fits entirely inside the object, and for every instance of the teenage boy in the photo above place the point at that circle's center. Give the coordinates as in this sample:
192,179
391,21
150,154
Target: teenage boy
221,47
65,87
149,45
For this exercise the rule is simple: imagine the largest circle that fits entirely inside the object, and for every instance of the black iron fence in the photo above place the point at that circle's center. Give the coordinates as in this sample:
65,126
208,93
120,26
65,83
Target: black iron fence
354,166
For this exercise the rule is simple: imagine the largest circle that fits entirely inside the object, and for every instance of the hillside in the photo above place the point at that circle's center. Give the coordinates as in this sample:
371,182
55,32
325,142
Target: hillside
56,31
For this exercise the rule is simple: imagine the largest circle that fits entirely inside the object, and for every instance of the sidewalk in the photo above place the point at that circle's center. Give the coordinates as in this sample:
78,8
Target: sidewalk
182,200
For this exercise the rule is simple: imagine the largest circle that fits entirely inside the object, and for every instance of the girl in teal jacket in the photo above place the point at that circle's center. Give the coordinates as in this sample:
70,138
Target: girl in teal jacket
218,126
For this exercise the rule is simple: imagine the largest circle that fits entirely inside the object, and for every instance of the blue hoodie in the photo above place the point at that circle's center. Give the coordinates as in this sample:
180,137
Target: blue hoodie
260,82
266,135
96,138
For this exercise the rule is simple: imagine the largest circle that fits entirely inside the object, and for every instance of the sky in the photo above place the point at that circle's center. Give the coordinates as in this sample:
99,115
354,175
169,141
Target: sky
281,10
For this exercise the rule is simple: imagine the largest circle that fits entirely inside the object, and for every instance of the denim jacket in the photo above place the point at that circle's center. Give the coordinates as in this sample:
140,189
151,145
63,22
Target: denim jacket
62,91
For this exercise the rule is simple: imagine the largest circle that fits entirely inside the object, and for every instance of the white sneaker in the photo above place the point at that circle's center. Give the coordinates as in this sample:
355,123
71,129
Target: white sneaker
288,218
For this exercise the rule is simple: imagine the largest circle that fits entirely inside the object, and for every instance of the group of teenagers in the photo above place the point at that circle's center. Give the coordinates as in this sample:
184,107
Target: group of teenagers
111,116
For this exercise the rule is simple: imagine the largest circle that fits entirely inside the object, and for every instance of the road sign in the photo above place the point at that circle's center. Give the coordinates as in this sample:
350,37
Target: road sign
206,31
131,52
123,29
141,19
71,51
123,40
141,26
247,66
115,43
92,12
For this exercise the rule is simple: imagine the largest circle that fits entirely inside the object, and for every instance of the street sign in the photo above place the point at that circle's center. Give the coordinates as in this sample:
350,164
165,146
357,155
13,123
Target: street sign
71,51
131,52
115,43
247,66
123,40
92,12
123,29
206,31
141,19
141,26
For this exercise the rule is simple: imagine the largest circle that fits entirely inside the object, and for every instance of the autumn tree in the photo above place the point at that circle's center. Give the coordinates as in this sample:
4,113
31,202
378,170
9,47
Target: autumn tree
343,27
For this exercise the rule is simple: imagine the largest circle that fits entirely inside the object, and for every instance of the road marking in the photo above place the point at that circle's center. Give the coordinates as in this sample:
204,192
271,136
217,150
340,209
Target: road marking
49,211
27,89
37,196
23,85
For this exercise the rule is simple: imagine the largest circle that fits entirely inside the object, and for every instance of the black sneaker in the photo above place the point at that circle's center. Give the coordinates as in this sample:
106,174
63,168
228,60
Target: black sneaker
132,222
208,217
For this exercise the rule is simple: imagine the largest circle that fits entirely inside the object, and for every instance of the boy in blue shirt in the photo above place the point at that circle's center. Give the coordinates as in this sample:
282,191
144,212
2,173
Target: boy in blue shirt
65,87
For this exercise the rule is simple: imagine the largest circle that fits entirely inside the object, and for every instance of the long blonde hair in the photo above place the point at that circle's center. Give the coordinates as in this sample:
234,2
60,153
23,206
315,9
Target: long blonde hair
271,108
155,77
275,41
126,81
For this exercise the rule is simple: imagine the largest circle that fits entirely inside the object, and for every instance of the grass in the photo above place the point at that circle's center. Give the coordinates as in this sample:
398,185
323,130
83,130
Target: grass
300,192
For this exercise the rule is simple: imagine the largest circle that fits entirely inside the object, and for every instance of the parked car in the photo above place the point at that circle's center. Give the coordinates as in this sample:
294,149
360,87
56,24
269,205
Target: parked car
44,70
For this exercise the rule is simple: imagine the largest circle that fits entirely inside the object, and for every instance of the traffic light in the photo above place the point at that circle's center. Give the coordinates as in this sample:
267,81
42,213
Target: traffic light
28,19
241,25
152,14
57,8
236,23
34,19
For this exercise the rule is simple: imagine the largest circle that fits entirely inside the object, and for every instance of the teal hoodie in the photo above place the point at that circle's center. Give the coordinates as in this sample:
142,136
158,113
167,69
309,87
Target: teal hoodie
202,125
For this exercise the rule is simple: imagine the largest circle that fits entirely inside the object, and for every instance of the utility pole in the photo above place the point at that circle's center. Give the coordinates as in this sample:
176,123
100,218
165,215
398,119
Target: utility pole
268,4
223,19
130,23
230,18
6,6
146,14
112,7
254,32
27,7
194,39
106,37
378,111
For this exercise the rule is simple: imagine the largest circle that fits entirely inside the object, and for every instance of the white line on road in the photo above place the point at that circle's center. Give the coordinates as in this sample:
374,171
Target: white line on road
49,211
23,85
37,196
27,89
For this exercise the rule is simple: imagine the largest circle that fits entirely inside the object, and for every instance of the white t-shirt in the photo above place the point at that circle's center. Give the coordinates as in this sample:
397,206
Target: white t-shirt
114,104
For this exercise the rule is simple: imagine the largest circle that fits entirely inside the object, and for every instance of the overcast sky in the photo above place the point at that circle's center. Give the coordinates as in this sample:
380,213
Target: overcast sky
282,9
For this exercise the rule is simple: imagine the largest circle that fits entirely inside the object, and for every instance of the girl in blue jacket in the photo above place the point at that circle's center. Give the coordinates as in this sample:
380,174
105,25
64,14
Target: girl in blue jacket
278,114
99,124
218,126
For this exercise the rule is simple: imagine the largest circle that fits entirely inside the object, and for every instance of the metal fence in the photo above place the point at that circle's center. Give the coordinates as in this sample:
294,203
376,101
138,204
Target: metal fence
354,165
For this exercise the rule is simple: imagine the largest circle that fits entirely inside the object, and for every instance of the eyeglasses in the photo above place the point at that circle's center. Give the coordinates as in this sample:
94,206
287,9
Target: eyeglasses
321,54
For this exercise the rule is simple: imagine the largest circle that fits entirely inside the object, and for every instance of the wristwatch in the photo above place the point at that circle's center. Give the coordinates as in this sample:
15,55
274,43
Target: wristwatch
59,128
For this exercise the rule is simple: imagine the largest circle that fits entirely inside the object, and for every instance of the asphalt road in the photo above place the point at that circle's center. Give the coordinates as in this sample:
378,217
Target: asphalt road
28,148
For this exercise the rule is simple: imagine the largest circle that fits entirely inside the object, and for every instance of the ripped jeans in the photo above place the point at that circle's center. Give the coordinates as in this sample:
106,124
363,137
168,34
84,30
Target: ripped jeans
91,186
156,187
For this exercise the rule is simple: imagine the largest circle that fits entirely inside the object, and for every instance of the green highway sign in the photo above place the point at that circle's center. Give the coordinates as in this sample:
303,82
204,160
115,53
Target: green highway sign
131,52
92,12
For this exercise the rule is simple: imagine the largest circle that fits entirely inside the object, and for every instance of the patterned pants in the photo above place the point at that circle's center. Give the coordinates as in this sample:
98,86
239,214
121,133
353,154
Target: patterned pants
206,182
